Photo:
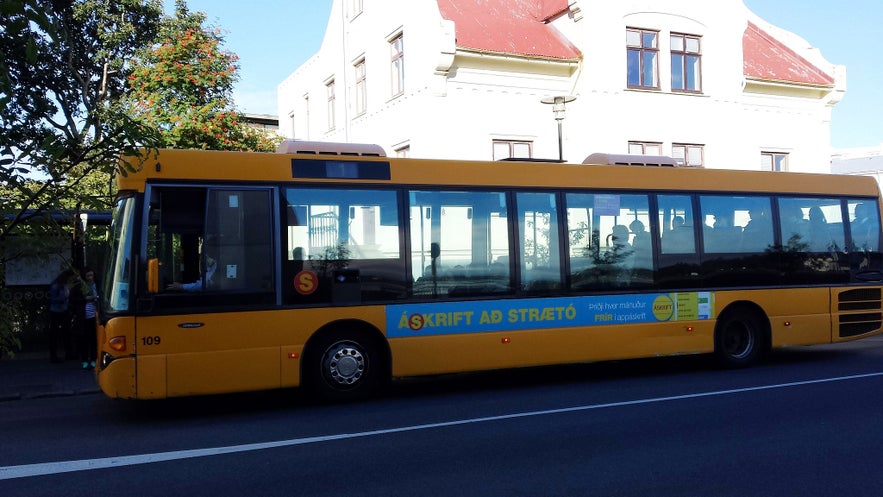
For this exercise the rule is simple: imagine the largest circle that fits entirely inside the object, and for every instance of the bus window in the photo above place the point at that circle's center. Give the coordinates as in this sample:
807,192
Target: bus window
115,293
538,242
676,224
813,248
239,235
342,246
864,225
607,248
678,257
757,232
736,224
738,241
811,225
459,243
211,240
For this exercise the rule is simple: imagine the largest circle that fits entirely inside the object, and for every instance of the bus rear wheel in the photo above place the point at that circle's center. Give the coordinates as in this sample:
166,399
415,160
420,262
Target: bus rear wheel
739,338
343,366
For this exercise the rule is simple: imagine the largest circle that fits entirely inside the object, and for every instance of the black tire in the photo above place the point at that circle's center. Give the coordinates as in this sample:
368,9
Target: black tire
740,338
342,366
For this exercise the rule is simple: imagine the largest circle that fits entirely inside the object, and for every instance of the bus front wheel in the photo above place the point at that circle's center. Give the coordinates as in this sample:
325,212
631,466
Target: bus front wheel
739,338
343,366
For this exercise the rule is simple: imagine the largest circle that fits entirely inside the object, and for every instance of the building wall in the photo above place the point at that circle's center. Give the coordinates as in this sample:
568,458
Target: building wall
456,101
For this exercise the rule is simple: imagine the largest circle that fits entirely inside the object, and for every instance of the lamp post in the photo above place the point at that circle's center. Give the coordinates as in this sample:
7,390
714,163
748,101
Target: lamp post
81,222
557,103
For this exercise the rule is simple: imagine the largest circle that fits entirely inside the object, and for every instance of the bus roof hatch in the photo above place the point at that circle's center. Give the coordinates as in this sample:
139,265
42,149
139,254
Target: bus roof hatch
631,160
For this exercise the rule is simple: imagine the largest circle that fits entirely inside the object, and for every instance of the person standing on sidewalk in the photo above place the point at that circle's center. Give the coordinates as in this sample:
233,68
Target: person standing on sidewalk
59,317
86,299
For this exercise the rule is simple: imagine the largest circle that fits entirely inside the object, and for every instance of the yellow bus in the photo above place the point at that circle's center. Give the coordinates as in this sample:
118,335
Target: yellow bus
337,268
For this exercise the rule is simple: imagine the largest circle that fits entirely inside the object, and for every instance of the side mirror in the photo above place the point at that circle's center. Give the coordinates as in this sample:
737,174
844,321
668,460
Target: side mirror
152,275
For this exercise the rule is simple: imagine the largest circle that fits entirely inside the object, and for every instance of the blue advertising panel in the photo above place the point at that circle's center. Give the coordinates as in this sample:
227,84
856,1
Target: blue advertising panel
447,318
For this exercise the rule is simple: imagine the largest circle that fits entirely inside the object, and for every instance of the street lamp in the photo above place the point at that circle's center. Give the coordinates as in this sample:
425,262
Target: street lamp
557,104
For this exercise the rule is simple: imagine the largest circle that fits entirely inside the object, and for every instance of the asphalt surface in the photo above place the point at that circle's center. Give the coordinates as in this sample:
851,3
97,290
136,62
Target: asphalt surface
31,376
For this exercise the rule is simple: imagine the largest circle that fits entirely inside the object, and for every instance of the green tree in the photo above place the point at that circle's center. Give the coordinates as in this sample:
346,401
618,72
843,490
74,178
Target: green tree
64,67
182,87
63,72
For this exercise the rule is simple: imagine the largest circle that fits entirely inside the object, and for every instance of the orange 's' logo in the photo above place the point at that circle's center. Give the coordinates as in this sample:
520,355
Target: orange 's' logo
305,282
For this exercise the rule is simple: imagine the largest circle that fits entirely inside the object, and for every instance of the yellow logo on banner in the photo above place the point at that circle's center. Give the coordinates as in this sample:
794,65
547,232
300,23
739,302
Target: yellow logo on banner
663,308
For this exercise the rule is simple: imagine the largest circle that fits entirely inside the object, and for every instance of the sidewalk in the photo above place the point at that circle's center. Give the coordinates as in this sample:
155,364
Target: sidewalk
32,376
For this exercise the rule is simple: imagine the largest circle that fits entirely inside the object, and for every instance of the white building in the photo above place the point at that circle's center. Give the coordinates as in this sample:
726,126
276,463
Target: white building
708,82
864,161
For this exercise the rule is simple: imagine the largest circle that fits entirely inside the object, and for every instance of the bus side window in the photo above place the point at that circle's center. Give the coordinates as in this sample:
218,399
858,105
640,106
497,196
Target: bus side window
757,234
600,242
795,229
175,232
239,235
736,224
811,225
864,224
538,242
212,243
676,224
342,246
461,240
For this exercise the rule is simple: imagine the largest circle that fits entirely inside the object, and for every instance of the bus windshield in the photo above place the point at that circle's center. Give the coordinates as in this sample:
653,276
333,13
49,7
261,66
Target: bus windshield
115,289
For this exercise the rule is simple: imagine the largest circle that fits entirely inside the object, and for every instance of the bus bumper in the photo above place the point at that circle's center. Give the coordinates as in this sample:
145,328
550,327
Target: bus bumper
117,380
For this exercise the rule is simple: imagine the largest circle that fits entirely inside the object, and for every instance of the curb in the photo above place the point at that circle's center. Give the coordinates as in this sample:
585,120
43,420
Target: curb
7,397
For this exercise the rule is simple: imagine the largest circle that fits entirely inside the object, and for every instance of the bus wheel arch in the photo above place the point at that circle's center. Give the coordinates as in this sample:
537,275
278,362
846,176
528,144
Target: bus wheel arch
346,360
741,335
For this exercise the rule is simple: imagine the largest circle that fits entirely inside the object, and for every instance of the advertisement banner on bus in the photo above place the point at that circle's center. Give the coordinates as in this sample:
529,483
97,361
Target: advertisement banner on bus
447,318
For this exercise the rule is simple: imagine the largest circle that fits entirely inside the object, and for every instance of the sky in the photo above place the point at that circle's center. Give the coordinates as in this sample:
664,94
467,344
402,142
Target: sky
273,37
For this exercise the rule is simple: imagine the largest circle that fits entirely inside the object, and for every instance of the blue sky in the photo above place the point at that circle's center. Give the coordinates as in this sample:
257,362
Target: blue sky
273,37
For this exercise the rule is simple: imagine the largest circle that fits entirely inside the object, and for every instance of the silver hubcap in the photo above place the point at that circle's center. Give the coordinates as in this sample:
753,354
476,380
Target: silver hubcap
738,340
344,364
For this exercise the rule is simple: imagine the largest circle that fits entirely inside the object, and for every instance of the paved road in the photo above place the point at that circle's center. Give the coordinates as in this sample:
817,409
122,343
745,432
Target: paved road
806,423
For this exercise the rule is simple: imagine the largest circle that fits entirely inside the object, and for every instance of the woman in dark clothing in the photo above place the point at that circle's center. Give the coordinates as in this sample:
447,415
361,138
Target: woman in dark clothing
86,298
59,317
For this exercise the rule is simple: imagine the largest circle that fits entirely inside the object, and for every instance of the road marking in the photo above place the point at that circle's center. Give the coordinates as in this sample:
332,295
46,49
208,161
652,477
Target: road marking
52,468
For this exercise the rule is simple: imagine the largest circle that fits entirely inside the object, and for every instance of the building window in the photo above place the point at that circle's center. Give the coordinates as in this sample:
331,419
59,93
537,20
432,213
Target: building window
329,90
688,155
642,58
397,67
645,148
292,122
361,88
774,161
505,149
686,74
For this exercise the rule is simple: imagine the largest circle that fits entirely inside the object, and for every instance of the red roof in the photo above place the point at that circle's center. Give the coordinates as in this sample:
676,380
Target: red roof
517,27
521,27
766,58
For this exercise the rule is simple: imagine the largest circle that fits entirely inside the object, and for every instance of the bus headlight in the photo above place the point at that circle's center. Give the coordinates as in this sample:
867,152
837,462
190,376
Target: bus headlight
106,359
